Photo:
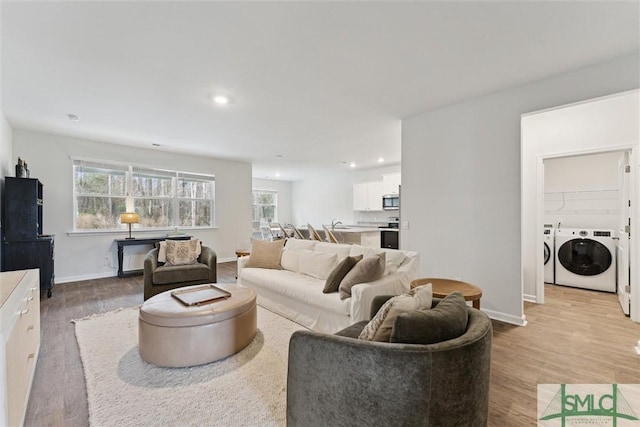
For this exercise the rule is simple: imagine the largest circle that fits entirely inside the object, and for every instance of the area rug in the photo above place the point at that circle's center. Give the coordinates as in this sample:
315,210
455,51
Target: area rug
246,389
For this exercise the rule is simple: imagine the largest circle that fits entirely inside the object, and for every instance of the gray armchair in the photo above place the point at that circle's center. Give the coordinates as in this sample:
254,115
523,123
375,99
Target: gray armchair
337,380
160,278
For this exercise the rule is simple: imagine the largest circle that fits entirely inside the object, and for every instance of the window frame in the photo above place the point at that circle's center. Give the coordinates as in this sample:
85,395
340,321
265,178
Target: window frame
254,205
131,171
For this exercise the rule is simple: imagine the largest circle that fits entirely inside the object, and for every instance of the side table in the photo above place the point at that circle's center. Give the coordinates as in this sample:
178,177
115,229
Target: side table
443,287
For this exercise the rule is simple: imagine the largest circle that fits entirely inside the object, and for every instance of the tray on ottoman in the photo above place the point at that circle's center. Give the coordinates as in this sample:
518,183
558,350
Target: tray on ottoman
198,295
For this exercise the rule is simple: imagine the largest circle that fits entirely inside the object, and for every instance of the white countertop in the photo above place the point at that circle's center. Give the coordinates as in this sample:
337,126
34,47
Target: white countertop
356,230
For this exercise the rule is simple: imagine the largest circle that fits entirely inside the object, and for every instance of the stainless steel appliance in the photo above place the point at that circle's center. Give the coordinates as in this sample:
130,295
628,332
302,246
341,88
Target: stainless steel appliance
389,234
391,202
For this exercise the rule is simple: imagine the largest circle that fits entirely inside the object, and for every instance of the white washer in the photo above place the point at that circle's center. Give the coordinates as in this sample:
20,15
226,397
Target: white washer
586,259
549,253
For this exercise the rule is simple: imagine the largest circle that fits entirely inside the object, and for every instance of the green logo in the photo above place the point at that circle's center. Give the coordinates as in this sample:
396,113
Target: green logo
588,408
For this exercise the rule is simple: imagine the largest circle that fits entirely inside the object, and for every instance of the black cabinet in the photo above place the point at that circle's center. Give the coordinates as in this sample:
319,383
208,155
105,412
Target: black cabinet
23,244
22,216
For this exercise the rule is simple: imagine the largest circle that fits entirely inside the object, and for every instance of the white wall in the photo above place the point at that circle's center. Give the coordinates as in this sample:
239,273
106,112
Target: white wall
284,196
609,123
461,181
7,165
582,191
321,199
6,158
80,257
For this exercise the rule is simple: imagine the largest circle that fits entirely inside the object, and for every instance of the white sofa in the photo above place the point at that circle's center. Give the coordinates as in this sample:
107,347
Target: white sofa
295,292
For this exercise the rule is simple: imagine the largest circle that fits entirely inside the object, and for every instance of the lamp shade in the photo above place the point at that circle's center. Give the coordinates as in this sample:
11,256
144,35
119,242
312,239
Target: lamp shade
129,218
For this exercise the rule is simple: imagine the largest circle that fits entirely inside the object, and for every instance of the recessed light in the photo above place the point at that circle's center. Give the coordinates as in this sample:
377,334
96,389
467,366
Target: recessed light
221,99
352,165
277,174
73,117
380,159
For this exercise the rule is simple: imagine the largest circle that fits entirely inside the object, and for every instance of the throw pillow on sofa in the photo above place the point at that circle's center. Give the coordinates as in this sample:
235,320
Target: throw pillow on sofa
445,321
289,260
182,252
265,254
335,277
298,244
340,250
369,269
380,327
316,264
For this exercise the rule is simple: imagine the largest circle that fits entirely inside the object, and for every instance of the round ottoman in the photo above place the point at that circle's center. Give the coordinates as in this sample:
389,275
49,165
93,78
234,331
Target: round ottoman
172,334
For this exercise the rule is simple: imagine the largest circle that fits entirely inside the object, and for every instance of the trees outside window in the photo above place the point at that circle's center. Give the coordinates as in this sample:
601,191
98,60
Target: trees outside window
162,198
265,206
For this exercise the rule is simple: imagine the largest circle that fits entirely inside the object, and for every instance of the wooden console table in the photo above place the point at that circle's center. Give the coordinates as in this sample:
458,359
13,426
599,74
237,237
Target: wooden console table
133,242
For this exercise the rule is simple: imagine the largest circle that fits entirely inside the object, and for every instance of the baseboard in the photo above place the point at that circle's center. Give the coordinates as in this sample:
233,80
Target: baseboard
101,275
113,273
507,318
530,298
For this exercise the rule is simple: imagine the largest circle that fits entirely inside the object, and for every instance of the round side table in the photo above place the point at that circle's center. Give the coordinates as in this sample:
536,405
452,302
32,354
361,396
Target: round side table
443,287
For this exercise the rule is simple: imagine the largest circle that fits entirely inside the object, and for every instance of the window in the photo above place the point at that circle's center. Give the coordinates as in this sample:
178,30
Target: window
265,206
162,198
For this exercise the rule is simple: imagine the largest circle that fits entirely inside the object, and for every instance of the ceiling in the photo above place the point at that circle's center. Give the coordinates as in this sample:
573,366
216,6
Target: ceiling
312,84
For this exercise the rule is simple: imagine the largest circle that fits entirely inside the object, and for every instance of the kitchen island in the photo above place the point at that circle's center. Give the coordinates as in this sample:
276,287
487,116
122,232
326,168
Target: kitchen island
364,236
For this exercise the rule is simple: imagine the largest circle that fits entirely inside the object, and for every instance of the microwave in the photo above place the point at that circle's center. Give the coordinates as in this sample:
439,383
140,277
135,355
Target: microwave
391,202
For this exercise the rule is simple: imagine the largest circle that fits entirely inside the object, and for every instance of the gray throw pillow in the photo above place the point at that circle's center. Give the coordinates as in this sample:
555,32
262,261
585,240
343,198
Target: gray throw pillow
338,273
369,269
446,321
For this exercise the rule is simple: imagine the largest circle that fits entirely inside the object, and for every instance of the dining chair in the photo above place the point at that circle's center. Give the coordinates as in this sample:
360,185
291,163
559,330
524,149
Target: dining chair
329,235
297,234
313,234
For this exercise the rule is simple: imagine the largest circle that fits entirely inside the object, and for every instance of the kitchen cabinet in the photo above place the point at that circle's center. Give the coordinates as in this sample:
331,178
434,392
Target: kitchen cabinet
391,183
360,197
367,196
20,330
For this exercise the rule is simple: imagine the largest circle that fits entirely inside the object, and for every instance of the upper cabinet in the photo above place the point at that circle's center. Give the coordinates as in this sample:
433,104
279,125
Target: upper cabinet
391,183
367,196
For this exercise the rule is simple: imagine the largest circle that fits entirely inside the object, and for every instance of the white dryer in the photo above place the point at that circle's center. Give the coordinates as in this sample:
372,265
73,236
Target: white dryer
549,253
586,259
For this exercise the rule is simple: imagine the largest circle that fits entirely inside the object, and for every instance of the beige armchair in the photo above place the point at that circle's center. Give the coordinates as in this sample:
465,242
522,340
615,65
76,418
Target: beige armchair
160,277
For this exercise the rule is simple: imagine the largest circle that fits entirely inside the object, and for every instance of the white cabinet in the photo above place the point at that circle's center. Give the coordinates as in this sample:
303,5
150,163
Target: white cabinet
367,196
361,197
20,320
391,183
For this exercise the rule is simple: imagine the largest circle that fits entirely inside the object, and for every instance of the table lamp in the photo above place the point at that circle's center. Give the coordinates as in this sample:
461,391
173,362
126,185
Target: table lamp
129,218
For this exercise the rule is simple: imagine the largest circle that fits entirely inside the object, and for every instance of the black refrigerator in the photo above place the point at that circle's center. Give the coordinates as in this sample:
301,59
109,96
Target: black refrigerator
23,244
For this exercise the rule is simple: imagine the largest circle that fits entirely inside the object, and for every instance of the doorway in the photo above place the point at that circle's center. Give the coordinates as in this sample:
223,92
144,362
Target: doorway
601,125
586,211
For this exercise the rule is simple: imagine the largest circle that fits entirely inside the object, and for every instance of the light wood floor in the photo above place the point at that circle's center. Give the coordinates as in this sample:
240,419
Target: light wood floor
577,336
